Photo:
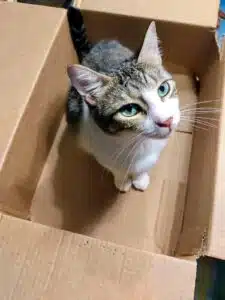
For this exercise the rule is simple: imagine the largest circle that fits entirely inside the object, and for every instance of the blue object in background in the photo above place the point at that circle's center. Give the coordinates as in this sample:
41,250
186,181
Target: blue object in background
221,29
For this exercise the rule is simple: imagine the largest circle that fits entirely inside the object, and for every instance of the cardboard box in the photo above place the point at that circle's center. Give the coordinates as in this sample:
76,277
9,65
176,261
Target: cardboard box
127,240
44,263
35,51
185,12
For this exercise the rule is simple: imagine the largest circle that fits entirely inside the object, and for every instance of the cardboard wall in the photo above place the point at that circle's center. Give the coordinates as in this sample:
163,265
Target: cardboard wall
176,38
45,263
186,12
204,179
75,193
34,84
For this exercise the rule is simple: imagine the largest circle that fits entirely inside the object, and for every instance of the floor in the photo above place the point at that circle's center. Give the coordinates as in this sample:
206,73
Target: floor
210,279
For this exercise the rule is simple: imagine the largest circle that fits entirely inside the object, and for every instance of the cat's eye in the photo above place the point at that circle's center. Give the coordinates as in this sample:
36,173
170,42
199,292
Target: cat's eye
164,89
130,110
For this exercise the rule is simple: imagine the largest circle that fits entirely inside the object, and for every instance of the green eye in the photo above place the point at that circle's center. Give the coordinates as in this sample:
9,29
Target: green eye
164,89
130,110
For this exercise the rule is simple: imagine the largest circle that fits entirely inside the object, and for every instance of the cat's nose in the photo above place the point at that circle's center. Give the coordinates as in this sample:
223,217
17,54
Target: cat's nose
167,123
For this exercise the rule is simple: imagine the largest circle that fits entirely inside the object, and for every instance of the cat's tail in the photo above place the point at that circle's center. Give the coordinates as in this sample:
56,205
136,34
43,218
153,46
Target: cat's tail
78,32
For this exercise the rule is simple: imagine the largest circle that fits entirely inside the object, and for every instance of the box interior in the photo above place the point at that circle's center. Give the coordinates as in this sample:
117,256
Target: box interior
34,99
46,179
202,224
76,194
173,11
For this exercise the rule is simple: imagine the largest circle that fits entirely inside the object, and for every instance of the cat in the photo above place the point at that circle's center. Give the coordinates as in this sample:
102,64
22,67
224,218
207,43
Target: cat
126,104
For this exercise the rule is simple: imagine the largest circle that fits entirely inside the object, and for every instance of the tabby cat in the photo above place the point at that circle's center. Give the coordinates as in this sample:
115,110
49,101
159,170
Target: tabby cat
126,104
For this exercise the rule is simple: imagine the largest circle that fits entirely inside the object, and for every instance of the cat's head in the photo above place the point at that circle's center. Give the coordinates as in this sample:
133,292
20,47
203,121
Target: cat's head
140,97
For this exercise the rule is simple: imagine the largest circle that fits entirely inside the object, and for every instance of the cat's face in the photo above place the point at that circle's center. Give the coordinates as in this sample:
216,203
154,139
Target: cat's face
141,97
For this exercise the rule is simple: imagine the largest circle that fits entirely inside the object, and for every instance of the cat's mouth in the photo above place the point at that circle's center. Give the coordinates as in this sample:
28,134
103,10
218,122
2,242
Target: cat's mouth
162,125
163,129
159,134
165,124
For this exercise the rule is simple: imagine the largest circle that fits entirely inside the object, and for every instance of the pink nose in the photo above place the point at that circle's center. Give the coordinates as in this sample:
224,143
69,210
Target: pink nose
167,123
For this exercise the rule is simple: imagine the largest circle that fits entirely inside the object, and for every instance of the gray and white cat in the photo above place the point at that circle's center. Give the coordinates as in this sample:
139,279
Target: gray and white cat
127,106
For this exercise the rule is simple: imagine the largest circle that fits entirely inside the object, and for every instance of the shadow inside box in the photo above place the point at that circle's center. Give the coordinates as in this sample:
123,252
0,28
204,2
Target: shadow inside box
54,3
83,190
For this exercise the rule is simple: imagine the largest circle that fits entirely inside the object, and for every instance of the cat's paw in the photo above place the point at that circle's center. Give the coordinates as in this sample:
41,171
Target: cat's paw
123,185
141,182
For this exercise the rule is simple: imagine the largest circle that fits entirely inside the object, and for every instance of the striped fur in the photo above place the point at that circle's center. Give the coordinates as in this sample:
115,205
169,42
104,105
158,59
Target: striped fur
113,82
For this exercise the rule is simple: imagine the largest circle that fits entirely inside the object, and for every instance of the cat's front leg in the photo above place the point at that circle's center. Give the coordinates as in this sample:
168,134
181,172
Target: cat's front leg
122,183
141,181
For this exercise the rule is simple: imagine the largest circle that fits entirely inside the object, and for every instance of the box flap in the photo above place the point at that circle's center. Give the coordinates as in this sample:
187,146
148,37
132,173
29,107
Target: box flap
190,12
203,230
33,90
175,38
19,49
216,242
49,264
76,194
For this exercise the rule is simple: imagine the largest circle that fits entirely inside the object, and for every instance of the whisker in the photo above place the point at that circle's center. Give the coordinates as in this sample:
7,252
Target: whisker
200,102
116,154
133,140
178,146
130,152
200,122
200,113
206,124
200,118
206,118
202,109
132,159
196,126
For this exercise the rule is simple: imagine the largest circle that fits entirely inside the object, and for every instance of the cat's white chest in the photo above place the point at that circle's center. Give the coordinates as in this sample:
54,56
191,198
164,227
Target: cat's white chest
119,155
146,155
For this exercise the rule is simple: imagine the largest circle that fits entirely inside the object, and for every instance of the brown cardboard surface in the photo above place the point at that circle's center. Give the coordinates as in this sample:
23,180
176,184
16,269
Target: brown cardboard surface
76,194
186,47
189,12
202,228
62,198
194,50
216,244
34,56
45,263
187,96
88,203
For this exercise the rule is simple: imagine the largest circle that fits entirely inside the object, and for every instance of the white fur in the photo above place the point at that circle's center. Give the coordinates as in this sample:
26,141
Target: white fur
161,110
128,162
129,157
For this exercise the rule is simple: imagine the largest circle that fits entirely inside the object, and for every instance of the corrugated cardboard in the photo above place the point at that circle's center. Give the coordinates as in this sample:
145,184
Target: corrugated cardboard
90,205
192,12
34,55
196,50
44,263
185,48
205,192
44,177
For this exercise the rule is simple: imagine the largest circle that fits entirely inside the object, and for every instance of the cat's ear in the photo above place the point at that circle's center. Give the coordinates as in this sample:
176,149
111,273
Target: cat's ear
87,82
150,51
